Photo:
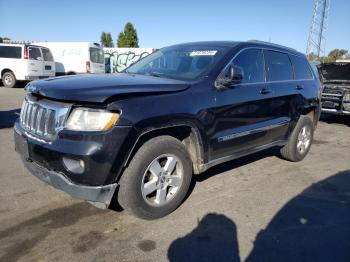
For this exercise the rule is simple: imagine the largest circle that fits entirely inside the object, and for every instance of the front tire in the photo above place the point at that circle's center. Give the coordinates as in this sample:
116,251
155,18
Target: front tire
8,80
300,140
157,178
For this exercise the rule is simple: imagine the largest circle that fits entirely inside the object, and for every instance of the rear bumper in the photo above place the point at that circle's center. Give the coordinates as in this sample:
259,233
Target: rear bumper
100,196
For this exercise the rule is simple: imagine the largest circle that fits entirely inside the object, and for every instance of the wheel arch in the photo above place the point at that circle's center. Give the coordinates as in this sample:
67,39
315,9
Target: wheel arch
3,71
187,133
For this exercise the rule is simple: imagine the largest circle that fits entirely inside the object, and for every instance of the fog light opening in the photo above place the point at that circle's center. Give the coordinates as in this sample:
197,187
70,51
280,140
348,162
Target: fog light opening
73,165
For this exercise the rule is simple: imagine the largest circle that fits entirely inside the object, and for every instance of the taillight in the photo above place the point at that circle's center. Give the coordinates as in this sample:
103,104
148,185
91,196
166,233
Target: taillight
25,55
88,67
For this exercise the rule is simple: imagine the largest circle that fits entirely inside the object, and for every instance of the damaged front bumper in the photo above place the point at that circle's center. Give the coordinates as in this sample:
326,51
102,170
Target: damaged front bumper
100,196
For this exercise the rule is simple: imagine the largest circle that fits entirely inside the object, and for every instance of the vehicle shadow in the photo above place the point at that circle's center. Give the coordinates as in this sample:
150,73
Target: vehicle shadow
214,239
8,118
335,119
313,226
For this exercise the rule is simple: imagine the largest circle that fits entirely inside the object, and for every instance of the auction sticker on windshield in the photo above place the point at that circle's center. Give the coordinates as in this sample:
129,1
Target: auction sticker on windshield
203,52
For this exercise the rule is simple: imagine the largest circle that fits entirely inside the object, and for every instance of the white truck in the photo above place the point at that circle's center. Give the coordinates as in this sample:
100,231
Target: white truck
21,62
76,57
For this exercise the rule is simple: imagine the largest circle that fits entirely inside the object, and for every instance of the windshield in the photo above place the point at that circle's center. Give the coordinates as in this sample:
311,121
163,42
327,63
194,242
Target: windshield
96,55
179,62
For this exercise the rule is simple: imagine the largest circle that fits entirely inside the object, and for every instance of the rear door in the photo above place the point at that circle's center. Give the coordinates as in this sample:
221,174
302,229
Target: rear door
49,63
96,63
35,65
305,85
280,77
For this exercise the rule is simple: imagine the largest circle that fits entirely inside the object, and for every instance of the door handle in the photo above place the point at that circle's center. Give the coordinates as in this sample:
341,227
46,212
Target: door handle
300,87
265,91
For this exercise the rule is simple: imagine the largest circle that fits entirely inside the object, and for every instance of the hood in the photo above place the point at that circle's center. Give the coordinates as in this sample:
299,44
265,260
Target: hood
98,88
336,71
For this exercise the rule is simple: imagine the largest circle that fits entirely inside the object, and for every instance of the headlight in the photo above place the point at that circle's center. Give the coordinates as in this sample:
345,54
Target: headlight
86,119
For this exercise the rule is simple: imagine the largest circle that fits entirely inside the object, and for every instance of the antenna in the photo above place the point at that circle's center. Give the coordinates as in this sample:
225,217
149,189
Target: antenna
317,35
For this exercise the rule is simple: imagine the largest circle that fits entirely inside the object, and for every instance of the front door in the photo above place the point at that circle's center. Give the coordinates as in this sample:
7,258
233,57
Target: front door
243,111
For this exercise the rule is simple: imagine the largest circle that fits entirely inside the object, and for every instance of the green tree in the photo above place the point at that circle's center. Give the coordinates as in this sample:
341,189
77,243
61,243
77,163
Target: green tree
106,39
337,54
1,40
128,38
312,56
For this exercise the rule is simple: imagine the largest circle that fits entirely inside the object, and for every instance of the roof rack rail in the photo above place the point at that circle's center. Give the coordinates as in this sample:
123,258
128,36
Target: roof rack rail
272,44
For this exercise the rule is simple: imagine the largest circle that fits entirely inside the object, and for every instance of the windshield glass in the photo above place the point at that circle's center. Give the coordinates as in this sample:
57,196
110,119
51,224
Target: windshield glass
179,62
96,55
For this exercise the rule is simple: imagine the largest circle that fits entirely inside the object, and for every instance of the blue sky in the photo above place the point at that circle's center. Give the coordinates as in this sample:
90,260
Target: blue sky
160,23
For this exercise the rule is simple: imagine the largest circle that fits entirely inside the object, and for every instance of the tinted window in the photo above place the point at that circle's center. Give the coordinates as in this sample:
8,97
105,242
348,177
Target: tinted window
252,63
301,67
47,54
10,52
96,55
278,66
34,53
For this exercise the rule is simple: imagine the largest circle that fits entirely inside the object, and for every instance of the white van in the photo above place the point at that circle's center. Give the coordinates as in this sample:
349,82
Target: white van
19,62
76,57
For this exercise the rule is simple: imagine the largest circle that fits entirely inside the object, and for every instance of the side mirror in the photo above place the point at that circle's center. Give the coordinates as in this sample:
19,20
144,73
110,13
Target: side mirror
231,75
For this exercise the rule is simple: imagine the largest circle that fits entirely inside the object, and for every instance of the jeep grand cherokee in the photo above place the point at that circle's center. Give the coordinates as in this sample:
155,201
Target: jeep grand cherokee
137,137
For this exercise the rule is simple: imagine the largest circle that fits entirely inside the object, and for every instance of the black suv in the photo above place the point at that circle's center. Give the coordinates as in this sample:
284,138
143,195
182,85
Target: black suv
137,137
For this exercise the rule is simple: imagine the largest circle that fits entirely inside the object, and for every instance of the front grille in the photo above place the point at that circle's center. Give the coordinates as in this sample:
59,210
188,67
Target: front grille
332,97
44,118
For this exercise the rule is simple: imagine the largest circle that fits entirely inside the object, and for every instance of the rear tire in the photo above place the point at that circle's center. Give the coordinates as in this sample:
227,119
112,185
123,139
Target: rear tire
300,140
157,178
8,80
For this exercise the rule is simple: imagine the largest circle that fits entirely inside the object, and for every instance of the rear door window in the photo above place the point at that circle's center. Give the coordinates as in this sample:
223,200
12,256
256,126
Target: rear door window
47,54
252,63
34,53
301,67
11,52
278,66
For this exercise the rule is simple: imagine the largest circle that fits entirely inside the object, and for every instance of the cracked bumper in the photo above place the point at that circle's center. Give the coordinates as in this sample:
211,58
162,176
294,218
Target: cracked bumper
100,196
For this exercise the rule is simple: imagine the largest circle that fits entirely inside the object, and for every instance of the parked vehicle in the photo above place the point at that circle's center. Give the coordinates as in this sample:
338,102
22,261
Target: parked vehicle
76,57
335,79
20,62
139,135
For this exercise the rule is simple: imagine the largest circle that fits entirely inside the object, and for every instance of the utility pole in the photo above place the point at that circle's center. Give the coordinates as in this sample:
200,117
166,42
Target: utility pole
317,35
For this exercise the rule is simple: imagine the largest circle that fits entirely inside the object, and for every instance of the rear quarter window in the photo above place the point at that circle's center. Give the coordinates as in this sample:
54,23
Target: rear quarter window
301,67
47,54
11,52
278,66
